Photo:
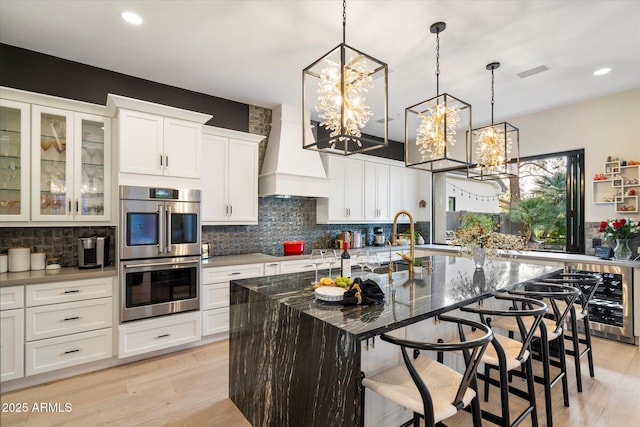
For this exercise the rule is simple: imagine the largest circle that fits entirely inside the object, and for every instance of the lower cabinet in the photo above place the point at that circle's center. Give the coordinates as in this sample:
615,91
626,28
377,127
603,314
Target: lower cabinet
69,350
149,335
215,294
68,324
296,266
11,344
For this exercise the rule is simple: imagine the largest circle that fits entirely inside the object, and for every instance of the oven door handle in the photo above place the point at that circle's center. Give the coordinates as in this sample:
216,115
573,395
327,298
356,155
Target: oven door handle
162,229
159,264
168,232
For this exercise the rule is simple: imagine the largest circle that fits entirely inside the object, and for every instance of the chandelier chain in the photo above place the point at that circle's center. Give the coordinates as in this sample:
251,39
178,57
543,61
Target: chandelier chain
438,63
492,95
344,20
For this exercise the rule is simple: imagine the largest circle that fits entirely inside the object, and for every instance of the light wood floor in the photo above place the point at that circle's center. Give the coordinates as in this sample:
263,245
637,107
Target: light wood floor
190,388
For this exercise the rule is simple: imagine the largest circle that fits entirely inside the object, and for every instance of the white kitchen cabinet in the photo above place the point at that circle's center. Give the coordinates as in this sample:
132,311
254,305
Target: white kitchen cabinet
345,203
376,192
271,268
403,193
156,145
144,336
11,333
70,166
297,266
215,294
55,160
229,177
15,127
156,140
68,323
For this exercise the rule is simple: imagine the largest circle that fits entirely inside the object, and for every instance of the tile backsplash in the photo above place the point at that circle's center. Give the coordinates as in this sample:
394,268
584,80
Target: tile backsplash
59,242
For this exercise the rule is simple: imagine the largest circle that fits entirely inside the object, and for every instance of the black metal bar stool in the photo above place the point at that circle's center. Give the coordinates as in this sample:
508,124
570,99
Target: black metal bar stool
506,355
430,389
550,330
579,312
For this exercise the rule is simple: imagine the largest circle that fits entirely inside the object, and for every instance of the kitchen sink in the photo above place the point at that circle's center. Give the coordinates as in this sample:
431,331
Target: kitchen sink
397,266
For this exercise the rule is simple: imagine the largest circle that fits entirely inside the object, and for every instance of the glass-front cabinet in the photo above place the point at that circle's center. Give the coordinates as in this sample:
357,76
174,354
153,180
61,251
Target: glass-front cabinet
14,161
68,158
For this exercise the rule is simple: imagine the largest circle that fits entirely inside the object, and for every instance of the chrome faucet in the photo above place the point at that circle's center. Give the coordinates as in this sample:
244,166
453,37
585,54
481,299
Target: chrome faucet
412,240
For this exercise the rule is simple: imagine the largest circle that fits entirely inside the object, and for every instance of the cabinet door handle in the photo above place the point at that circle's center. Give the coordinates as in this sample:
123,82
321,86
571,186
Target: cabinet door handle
166,161
76,206
230,209
161,156
235,273
163,336
69,211
71,318
74,291
71,351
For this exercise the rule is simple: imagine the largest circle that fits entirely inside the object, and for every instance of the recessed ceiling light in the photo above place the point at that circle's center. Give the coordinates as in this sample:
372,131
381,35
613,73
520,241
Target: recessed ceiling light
601,71
132,18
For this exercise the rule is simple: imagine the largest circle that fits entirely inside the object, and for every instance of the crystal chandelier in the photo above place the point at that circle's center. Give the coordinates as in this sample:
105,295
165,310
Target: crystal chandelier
344,92
432,126
495,156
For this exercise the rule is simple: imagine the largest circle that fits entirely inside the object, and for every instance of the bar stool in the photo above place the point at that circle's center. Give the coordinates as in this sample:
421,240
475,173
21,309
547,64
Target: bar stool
430,389
579,312
506,355
549,330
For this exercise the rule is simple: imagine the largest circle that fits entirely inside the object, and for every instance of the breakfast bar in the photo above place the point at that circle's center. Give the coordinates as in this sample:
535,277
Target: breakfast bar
295,360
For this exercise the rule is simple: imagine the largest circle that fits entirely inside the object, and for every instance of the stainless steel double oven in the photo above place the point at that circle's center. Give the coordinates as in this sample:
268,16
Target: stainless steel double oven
160,251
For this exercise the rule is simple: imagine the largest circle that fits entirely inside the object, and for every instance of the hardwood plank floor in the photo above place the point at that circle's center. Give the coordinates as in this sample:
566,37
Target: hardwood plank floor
190,388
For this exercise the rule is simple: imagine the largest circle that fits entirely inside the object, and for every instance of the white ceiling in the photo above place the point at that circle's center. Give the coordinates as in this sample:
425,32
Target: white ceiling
253,51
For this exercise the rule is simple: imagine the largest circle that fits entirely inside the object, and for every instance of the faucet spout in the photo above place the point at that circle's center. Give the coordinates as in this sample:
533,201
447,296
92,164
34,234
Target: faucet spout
390,272
412,240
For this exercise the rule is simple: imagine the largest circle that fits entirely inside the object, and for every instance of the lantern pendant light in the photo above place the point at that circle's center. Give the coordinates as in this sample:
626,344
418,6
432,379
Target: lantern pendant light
495,148
344,95
437,130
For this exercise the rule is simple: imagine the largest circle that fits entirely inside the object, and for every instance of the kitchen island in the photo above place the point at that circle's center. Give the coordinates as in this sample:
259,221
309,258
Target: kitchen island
296,361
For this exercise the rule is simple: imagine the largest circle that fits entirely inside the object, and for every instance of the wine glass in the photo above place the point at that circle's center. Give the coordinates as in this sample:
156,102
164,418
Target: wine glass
331,258
361,260
317,258
91,173
373,262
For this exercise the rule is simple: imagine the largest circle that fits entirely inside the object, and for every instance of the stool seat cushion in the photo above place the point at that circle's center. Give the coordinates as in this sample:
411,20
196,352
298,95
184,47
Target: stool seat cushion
510,324
511,349
442,382
579,314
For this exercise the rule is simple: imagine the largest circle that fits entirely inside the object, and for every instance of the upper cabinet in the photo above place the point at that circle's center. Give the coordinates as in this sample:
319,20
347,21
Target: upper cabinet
55,160
363,189
229,176
14,161
345,203
157,140
71,179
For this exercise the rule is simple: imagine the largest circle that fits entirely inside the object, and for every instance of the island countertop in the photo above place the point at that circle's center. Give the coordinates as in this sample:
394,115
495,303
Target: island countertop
452,283
296,361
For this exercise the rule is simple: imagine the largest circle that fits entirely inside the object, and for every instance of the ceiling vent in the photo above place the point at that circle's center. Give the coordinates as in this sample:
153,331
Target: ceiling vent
533,71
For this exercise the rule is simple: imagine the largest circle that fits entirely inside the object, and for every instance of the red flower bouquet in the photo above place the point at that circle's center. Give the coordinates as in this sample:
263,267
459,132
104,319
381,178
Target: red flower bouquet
624,228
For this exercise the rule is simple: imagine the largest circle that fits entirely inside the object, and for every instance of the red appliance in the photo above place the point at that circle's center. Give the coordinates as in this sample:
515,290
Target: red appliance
293,247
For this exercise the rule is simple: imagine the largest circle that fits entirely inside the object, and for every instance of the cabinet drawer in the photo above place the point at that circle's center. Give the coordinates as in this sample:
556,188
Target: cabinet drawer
226,273
215,321
296,266
215,296
62,352
12,297
68,318
271,268
155,334
52,293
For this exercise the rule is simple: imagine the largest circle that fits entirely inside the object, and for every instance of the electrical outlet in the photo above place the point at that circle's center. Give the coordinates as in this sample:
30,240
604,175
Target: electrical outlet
596,242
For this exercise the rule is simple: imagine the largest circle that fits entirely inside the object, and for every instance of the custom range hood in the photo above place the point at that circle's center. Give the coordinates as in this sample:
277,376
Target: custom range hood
288,169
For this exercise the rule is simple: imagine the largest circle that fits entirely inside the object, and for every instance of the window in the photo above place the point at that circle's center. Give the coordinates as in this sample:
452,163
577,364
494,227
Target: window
545,202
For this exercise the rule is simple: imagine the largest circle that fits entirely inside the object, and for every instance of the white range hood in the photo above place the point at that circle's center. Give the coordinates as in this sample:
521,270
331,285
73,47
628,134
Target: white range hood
289,169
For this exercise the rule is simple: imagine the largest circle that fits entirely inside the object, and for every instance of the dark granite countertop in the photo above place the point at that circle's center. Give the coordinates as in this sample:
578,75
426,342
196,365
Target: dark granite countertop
452,283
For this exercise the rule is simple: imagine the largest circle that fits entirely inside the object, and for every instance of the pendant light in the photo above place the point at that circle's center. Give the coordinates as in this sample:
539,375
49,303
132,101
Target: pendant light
437,130
495,148
344,93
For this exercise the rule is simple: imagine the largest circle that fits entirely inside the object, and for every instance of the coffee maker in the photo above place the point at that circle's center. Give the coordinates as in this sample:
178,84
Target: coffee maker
93,252
378,236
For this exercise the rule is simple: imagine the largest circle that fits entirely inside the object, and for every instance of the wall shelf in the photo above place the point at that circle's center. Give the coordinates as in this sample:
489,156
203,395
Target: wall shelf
619,186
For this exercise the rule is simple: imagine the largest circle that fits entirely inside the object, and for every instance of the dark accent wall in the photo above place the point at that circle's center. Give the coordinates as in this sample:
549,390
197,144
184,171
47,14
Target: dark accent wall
36,72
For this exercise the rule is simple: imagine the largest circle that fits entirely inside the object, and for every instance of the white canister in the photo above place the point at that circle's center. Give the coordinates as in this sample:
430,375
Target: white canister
4,267
19,259
38,260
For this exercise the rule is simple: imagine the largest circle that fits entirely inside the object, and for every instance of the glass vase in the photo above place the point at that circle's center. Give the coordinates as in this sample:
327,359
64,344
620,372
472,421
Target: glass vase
622,250
479,256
